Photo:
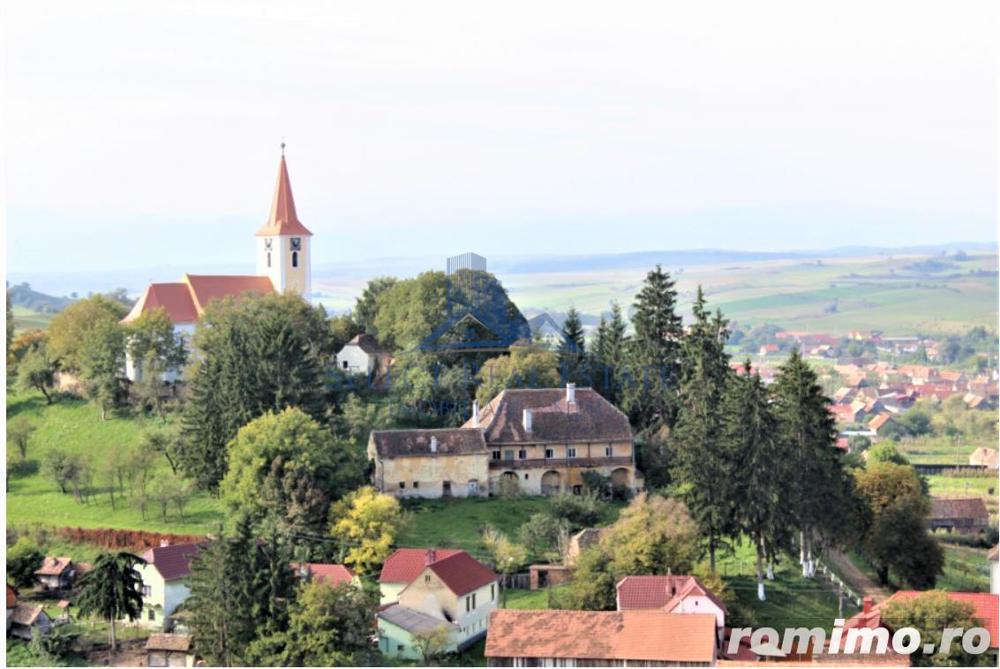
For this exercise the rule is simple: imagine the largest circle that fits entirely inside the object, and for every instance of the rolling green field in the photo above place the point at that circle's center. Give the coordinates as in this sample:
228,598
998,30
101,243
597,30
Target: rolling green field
28,319
76,427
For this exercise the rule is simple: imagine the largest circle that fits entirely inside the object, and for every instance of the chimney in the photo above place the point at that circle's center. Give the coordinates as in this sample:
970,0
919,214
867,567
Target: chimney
475,413
570,393
867,605
434,444
526,420
430,557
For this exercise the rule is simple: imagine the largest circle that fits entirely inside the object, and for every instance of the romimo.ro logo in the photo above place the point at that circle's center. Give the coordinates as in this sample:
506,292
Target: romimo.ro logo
768,642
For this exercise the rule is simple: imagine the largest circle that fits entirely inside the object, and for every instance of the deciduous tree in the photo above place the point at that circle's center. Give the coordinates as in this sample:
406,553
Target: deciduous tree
70,329
37,371
366,523
525,367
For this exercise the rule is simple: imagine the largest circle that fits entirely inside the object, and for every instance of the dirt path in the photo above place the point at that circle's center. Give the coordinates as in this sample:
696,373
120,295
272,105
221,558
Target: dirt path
854,577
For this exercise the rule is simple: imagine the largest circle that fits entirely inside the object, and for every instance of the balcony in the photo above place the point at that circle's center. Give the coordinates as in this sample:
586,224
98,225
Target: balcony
555,463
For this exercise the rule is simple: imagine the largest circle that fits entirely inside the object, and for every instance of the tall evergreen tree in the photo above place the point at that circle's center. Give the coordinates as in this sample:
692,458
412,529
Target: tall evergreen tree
572,349
112,589
703,463
650,395
254,355
608,355
240,590
818,488
750,430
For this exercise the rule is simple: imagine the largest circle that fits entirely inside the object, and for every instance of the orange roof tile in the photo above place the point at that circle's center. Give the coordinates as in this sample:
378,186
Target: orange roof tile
283,219
984,608
174,298
206,287
602,635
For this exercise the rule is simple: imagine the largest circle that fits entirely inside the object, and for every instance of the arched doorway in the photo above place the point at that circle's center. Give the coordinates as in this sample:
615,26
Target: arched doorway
620,478
550,483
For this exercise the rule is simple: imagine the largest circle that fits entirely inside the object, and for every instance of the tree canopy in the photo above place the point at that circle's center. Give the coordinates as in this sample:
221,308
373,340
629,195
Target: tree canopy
70,329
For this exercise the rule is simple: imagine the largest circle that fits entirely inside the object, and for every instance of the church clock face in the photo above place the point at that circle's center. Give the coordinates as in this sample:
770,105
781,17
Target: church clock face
296,243
267,244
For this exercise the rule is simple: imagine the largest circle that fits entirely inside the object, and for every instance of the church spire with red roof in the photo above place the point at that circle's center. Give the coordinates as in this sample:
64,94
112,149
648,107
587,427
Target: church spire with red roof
283,219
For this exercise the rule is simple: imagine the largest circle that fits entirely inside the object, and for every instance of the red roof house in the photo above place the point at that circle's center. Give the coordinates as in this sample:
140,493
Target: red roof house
670,594
332,574
984,608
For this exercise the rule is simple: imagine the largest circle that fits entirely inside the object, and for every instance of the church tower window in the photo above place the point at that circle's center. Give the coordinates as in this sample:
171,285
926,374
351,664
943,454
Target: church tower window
295,258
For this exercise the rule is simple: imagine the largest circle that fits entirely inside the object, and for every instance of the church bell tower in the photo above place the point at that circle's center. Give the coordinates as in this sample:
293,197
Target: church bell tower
283,243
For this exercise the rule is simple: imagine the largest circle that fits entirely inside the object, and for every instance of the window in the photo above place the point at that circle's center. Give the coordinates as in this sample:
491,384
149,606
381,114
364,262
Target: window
416,484
468,602
525,477
549,453
146,591
607,451
496,455
151,615
402,485
345,364
508,455
427,578
493,591
295,258
268,258
570,452
522,454
400,647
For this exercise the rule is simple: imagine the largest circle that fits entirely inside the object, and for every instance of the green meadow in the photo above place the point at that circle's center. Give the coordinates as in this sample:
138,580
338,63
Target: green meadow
75,426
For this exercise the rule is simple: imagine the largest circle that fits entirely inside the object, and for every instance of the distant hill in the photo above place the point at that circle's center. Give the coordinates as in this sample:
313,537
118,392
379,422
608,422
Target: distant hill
22,295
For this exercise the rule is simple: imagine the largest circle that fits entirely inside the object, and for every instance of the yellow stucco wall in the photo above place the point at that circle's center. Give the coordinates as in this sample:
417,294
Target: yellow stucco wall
429,474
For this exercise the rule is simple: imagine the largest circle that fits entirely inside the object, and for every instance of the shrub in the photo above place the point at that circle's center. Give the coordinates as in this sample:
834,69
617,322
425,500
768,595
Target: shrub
578,511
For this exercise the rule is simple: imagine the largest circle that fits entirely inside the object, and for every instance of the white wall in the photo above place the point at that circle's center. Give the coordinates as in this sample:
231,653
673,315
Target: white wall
358,362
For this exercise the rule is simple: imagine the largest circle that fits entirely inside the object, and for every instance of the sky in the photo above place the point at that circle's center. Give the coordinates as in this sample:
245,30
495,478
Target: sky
143,134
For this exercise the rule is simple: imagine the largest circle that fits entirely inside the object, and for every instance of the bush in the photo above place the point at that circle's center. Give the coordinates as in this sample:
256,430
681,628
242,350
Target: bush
578,511
23,559
508,487
545,536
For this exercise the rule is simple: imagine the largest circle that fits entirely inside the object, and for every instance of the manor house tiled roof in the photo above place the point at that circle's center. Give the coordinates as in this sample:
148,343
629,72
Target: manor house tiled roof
554,419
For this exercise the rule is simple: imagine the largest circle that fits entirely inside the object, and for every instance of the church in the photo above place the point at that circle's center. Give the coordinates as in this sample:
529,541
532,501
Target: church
284,264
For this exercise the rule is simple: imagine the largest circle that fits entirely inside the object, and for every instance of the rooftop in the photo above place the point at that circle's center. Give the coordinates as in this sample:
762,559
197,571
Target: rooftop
602,635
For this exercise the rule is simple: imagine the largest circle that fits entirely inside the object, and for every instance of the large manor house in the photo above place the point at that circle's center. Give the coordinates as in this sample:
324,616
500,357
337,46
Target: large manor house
541,441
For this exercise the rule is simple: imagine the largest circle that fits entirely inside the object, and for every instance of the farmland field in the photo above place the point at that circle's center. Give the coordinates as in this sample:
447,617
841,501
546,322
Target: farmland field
900,295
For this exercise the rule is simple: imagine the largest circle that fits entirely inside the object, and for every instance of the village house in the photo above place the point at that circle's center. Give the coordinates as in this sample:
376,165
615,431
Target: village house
556,638
670,594
542,440
165,583
984,609
363,355
169,650
56,573
879,423
451,592
966,514
284,264
984,457
28,621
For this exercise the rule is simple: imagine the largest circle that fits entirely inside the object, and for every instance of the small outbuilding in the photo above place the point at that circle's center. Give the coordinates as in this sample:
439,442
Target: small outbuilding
169,650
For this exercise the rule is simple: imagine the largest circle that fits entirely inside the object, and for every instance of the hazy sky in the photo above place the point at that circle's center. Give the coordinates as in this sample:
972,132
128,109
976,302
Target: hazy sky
142,134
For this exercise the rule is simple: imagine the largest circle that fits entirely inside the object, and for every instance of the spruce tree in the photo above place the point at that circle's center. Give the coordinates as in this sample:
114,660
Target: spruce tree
253,355
655,353
572,349
749,429
819,488
608,355
703,463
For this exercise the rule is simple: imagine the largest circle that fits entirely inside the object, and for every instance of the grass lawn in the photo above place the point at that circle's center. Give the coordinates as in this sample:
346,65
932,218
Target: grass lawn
944,450
965,569
75,426
792,601
28,319
985,486
531,599
458,523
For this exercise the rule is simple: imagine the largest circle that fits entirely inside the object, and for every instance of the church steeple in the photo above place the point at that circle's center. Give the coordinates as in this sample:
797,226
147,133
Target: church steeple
283,219
283,252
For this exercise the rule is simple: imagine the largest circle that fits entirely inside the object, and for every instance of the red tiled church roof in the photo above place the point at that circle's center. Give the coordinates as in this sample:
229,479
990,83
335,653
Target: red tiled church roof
174,298
206,287
283,219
